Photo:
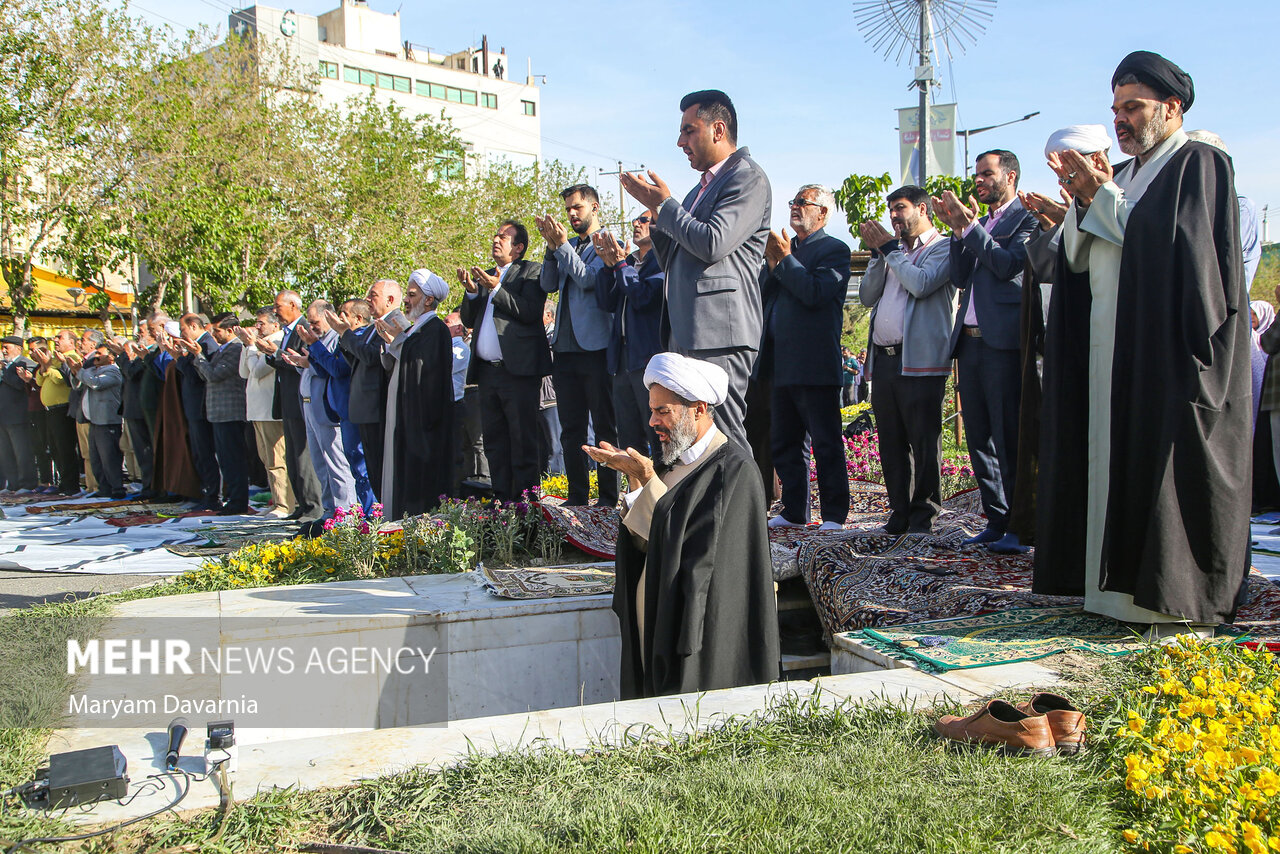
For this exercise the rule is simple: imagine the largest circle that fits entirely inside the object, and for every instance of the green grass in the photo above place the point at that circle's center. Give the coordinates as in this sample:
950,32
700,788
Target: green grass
797,778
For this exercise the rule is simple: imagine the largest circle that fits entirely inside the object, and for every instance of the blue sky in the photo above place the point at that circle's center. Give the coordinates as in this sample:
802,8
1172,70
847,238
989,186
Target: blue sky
815,101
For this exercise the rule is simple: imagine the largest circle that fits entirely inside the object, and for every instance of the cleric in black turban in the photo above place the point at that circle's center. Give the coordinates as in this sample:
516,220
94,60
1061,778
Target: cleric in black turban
1152,69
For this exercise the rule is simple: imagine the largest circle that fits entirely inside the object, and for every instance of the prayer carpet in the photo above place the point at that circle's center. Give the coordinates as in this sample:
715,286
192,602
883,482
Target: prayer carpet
545,583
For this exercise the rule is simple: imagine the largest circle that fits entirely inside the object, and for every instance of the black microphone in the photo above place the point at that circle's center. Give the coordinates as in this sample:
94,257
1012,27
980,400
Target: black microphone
177,734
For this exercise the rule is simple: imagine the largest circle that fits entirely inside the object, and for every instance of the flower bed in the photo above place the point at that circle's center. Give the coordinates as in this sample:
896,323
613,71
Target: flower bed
862,453
1198,748
353,546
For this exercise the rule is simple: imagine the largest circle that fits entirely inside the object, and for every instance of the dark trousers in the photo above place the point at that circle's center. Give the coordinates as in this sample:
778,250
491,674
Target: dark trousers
204,454
232,455
908,413
759,426
990,389
731,416
17,461
65,445
846,395
371,441
39,421
584,390
106,458
814,409
631,408
143,450
353,450
509,414
305,492
468,444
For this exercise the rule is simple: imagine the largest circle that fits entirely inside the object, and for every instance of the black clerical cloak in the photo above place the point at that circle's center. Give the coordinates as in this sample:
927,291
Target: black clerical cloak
1177,522
709,597
422,450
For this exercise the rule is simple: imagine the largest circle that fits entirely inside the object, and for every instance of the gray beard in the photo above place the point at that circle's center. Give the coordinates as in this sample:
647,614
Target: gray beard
1151,135
683,435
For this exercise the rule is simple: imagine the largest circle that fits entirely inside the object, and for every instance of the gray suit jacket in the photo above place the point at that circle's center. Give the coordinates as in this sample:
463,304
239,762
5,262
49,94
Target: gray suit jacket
712,257
224,388
575,277
102,385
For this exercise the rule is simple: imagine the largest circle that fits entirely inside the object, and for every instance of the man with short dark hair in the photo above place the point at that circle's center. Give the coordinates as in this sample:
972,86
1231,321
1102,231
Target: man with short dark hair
580,368
195,335
101,380
55,394
224,391
711,248
1144,478
804,282
913,305
503,306
988,255
335,365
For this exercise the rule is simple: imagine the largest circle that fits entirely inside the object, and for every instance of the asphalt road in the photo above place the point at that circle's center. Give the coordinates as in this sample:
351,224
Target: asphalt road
21,589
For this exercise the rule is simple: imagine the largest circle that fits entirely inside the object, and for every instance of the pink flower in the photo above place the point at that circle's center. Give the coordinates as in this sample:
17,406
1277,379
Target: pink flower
328,524
364,527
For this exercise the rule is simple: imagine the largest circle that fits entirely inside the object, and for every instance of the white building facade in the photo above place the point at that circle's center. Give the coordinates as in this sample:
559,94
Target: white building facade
355,49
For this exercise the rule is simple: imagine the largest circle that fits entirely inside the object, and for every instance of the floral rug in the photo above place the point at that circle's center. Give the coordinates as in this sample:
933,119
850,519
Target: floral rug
546,583
874,580
592,529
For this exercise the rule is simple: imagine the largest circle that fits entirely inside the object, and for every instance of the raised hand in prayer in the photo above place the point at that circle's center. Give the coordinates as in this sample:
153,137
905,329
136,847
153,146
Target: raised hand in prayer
1081,175
483,278
41,355
23,374
306,333
874,235
651,195
465,279
552,231
636,466
953,212
777,247
608,249
1046,211
245,334
265,345
335,321
298,360
386,330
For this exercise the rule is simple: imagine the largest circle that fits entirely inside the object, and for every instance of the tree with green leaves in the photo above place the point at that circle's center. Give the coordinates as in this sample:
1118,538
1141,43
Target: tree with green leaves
862,197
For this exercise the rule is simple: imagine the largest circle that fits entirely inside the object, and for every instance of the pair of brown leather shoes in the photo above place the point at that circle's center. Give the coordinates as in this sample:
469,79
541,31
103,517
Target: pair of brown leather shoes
1044,725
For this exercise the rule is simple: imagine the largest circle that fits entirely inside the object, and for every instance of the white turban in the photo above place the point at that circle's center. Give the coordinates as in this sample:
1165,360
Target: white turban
692,379
172,328
430,284
1085,139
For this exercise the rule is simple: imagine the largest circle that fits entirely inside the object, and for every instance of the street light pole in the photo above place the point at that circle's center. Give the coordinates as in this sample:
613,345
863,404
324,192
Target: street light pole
968,133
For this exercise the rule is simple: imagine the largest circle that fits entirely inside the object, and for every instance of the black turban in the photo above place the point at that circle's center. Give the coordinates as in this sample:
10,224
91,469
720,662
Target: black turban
1152,69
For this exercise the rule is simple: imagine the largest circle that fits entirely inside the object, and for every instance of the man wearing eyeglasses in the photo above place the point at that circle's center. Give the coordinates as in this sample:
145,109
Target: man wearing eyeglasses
711,247
803,285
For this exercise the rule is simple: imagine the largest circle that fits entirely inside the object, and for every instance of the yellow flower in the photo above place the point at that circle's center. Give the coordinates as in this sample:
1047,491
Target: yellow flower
1268,782
1130,836
1214,839
1136,723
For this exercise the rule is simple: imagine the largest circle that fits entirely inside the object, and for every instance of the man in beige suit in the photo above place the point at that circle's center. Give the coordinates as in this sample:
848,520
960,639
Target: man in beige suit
694,591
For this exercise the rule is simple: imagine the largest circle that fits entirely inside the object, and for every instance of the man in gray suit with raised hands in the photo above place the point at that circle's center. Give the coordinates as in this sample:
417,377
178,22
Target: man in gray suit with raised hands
711,248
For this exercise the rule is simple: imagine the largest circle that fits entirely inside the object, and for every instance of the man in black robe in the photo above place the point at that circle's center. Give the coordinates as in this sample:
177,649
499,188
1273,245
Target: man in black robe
418,461
1159,235
694,591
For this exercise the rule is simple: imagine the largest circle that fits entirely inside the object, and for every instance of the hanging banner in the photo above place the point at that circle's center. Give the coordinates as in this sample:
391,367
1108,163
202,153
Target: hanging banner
942,141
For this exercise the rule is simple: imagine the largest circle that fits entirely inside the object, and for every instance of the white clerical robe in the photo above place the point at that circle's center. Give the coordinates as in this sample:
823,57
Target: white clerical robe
392,354
1093,244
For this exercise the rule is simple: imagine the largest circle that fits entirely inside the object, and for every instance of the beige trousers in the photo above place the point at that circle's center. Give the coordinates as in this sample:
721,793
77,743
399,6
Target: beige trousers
270,439
82,436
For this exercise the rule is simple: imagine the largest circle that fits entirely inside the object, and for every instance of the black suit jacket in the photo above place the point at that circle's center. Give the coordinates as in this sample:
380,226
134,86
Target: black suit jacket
288,402
13,392
517,317
804,313
192,382
364,348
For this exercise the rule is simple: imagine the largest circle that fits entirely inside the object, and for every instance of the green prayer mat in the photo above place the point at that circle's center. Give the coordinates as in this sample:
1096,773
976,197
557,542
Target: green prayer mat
1005,637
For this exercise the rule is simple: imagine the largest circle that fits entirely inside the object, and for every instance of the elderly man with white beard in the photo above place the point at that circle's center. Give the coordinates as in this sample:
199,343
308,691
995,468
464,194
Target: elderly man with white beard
694,592
418,462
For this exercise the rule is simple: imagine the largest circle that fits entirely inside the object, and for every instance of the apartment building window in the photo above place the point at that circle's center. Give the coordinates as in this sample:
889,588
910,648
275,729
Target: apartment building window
489,100
329,70
530,108
365,77
450,167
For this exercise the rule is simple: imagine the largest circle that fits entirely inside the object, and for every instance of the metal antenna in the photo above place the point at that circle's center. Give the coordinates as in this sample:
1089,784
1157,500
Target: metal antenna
897,28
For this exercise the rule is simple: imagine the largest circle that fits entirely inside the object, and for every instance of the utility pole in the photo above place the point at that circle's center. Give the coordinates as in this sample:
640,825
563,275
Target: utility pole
622,195
924,79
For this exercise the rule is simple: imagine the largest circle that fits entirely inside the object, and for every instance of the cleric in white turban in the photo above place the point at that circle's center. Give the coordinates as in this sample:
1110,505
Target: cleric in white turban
417,461
694,585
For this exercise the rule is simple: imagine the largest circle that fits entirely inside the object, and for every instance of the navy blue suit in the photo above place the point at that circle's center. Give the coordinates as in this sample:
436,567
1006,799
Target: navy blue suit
368,395
987,267
800,354
335,368
199,430
634,295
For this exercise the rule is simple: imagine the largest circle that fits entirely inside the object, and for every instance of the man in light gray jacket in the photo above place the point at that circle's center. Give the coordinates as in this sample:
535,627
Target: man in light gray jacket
711,248
103,383
908,287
